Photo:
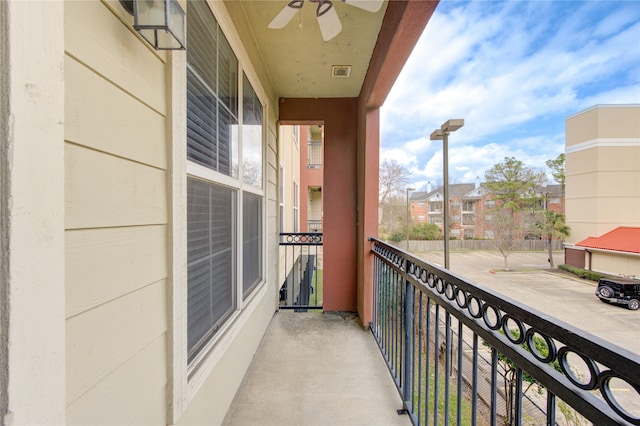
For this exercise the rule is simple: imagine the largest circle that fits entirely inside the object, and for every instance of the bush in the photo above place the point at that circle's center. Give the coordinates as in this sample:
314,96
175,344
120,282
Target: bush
425,231
396,237
582,273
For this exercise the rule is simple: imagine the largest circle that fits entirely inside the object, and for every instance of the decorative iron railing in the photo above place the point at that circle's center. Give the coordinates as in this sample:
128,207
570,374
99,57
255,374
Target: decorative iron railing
302,288
435,330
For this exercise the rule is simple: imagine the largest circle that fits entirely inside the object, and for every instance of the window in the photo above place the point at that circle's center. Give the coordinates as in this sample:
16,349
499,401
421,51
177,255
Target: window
251,135
469,234
251,241
490,204
468,205
435,206
468,219
224,185
421,203
421,217
281,191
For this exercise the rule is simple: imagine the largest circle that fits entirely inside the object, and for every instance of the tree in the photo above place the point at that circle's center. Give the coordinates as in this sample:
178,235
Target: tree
549,226
394,179
513,184
507,231
557,169
513,187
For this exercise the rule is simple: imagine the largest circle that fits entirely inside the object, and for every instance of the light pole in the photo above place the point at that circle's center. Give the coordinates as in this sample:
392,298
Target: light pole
408,190
443,134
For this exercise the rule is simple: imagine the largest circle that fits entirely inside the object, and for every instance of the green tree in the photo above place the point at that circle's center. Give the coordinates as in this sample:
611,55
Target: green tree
557,169
513,184
551,225
513,187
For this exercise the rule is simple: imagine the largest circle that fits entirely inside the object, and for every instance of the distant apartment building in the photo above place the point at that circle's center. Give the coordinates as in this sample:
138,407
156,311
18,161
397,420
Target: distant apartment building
603,189
470,206
311,177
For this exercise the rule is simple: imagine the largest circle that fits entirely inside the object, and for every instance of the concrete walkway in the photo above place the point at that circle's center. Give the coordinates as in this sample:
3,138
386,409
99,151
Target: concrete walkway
317,369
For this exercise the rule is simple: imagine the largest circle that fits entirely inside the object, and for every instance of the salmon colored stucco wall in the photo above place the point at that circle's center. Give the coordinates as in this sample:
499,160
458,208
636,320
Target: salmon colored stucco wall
340,120
368,177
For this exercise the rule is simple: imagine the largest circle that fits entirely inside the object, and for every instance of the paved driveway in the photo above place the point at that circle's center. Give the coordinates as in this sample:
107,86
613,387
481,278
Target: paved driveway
571,300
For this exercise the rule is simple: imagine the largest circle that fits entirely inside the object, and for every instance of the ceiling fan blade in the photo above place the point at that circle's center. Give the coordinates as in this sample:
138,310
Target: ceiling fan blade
369,5
328,20
286,14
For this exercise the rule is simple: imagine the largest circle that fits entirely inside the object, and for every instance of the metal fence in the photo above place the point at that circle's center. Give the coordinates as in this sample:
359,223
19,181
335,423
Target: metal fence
424,246
463,354
302,289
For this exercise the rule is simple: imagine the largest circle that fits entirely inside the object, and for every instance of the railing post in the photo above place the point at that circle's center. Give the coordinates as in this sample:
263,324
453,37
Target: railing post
408,317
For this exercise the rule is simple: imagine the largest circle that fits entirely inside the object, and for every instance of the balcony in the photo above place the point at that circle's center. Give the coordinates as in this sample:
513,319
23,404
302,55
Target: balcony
457,353
315,155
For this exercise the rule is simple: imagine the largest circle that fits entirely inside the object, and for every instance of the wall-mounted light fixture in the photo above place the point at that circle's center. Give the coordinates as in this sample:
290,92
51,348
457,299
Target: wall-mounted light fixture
160,22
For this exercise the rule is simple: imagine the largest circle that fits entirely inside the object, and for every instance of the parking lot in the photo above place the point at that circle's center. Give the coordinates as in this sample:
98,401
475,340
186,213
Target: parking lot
564,297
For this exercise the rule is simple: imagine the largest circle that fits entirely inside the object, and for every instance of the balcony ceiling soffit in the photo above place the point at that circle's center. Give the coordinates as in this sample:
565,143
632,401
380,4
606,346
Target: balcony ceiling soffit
297,60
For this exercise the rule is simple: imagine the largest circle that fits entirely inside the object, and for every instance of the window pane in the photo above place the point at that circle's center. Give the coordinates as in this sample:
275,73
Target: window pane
202,33
211,260
212,94
251,135
227,75
201,119
252,241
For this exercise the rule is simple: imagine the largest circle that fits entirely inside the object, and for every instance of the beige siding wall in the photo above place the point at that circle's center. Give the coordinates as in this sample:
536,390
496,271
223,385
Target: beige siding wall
616,264
289,157
116,199
603,170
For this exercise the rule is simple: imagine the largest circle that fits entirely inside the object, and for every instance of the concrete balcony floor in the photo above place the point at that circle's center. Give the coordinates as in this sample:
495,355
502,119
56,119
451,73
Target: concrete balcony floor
317,369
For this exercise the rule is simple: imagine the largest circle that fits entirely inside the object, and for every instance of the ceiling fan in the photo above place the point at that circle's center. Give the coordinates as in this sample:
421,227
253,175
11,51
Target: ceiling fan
330,25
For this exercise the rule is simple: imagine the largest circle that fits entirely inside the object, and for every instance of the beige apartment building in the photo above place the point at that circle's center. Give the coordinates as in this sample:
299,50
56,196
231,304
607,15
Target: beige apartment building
603,189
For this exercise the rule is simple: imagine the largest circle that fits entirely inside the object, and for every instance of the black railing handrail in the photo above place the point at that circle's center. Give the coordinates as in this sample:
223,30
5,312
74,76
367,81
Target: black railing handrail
470,303
301,238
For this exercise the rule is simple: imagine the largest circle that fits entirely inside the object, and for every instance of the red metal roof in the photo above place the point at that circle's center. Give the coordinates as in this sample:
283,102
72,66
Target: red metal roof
623,238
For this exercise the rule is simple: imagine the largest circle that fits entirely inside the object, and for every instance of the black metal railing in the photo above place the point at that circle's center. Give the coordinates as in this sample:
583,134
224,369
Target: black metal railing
314,225
302,288
463,354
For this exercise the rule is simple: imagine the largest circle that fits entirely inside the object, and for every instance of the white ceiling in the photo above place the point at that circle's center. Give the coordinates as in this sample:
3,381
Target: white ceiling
297,60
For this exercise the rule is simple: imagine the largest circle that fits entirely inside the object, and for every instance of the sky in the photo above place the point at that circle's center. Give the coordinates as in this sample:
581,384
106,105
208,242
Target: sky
514,71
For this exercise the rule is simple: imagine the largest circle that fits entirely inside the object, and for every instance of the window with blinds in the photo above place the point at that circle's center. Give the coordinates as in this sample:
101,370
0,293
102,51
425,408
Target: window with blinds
210,259
251,241
224,216
212,93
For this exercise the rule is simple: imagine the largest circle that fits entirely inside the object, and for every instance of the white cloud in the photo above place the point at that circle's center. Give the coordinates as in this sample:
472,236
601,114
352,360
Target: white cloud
513,84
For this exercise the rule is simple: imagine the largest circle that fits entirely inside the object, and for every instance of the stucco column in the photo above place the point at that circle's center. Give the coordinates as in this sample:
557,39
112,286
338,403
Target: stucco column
368,188
32,293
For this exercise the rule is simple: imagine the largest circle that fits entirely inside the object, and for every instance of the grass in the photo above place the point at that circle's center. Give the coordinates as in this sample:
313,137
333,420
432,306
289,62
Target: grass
316,282
453,398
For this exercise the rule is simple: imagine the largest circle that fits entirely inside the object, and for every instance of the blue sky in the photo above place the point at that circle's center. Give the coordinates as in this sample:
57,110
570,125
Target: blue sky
514,71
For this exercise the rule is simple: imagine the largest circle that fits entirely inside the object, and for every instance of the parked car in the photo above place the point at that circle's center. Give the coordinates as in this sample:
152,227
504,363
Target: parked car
620,291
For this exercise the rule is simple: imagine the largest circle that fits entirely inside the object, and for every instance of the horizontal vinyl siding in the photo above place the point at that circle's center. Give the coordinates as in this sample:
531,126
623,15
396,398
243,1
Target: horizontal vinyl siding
116,214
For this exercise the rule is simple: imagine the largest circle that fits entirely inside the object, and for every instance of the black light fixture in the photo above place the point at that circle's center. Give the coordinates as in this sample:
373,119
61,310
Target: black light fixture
160,22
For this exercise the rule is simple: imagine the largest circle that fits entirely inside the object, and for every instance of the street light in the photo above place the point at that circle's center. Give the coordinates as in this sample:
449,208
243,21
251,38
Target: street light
442,134
408,190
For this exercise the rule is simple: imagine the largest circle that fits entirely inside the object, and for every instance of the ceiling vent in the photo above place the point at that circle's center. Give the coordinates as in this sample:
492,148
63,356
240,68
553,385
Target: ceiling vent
341,70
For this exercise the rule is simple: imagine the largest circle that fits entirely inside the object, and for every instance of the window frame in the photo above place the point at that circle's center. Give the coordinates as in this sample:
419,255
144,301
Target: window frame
186,378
